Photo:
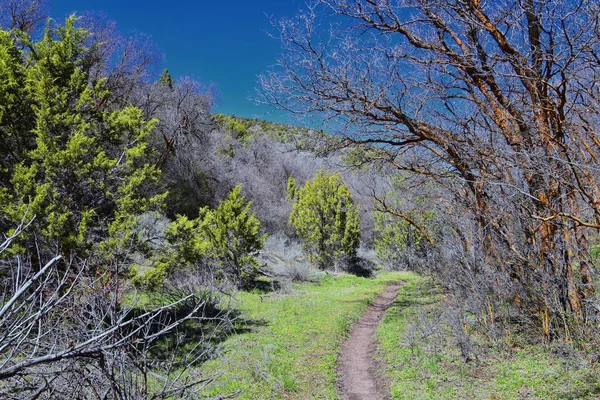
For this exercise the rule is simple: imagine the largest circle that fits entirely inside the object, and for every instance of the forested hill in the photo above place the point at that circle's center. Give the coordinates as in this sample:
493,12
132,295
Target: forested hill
261,156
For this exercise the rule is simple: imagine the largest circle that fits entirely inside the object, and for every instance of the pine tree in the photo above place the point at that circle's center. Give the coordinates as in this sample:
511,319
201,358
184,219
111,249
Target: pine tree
166,79
326,218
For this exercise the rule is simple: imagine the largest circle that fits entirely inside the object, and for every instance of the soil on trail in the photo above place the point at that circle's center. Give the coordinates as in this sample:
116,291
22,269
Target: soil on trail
357,368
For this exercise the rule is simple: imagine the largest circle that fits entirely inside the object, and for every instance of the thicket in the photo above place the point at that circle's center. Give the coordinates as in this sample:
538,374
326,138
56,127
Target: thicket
83,172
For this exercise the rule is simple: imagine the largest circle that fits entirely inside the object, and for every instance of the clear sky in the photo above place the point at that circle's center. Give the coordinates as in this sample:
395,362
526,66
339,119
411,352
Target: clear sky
218,42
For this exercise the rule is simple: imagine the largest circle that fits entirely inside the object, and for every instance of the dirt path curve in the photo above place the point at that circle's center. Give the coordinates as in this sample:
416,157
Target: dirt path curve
356,367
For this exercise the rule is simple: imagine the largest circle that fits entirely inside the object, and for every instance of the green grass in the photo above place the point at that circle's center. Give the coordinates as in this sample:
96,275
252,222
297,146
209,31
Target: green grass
291,341
425,365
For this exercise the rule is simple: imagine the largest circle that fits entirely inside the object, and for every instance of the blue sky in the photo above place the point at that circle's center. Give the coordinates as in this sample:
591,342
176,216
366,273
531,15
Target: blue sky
223,43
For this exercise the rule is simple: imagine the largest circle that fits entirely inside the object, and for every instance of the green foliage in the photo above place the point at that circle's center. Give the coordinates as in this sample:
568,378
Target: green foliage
226,239
238,126
395,235
360,156
80,168
292,189
166,79
233,234
594,248
326,218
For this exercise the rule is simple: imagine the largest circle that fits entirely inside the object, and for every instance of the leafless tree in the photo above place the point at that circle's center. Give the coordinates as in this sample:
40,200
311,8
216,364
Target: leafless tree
24,15
183,109
127,62
496,101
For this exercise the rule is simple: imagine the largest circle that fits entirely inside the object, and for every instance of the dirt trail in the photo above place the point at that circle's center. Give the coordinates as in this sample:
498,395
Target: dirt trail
356,368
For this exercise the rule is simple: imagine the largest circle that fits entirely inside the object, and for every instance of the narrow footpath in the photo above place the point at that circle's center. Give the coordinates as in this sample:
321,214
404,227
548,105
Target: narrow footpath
357,368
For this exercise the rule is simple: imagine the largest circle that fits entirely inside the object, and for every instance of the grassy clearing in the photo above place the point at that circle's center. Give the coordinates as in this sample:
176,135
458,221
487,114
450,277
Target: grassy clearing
424,363
288,344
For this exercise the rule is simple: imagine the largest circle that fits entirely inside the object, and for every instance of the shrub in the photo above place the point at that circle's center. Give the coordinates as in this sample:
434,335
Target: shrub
240,128
232,232
287,260
325,218
226,240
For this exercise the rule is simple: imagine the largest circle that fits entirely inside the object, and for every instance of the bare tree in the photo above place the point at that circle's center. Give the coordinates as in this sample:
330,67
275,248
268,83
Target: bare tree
497,101
23,15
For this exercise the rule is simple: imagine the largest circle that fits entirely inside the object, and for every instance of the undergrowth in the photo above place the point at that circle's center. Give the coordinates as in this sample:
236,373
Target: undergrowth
423,360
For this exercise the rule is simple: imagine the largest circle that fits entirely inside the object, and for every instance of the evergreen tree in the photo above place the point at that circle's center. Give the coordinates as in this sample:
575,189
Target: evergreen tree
166,79
79,167
326,218
233,233
292,189
226,240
